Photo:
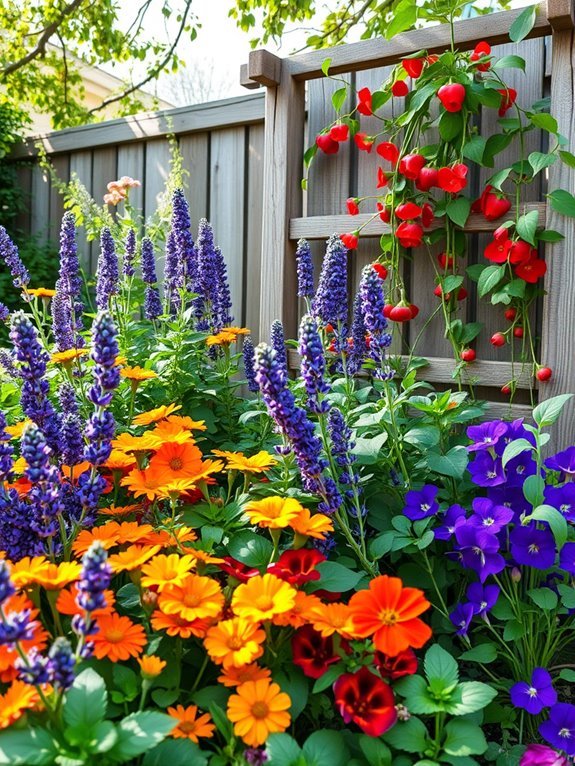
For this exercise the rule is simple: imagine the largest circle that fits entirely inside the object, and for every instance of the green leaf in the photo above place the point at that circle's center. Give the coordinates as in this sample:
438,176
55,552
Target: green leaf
404,17
422,436
296,686
126,681
325,65
567,593
222,722
367,450
544,598
327,679
375,751
250,548
470,331
450,125
439,665
410,735
335,577
451,283
546,413
539,161
483,653
515,448
490,277
523,24
495,144
562,202
533,488
513,630
382,544
338,98
175,752
498,179
139,732
27,747
464,738
452,464
474,149
283,750
458,210
567,675
567,158
415,690
86,701
510,62
556,521
545,121
550,235
325,748
527,226
469,697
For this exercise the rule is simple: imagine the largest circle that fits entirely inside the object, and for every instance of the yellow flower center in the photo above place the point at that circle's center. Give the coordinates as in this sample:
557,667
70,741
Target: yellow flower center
388,616
260,709
114,636
188,727
191,599
235,642
264,602
176,464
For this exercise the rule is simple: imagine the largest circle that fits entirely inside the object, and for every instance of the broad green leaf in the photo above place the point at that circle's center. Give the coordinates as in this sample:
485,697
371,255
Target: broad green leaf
546,413
523,24
539,161
464,738
451,283
415,690
410,735
550,235
490,277
450,125
283,750
367,450
469,697
513,630
325,748
562,202
495,144
422,436
452,464
335,577
86,701
404,17
328,678
470,331
382,544
567,158
567,593
556,521
515,448
175,752
439,665
222,722
473,150
338,98
296,686
533,487
458,210
544,598
545,122
527,226
375,751
567,675
325,65
510,62
27,747
138,733
250,548
498,179
483,653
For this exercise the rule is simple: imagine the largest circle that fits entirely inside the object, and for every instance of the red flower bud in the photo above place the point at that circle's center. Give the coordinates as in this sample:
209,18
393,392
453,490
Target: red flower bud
387,309
508,98
384,212
352,206
544,373
401,313
494,205
518,331
427,215
382,178
497,339
350,240
388,151
409,234
364,142
407,211
506,389
339,132
326,143
380,270
452,96
426,179
481,50
510,314
399,88
410,165
452,179
468,355
445,261
413,67
364,104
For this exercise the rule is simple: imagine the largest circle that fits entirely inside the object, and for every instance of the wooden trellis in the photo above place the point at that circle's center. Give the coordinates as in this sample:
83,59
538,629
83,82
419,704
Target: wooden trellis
284,220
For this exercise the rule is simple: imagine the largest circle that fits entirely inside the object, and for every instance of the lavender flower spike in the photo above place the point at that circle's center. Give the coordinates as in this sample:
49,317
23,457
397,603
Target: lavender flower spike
152,301
94,579
72,439
9,254
222,300
278,343
69,282
173,276
129,254
312,364
107,274
45,496
330,303
206,284
249,361
184,244
372,304
304,269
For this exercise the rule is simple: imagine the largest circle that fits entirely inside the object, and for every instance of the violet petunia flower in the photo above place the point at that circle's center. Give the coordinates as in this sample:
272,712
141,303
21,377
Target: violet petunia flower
536,695
488,516
563,499
559,730
518,469
453,517
515,430
511,497
486,435
533,547
461,617
421,503
567,558
541,755
563,461
482,597
477,549
486,471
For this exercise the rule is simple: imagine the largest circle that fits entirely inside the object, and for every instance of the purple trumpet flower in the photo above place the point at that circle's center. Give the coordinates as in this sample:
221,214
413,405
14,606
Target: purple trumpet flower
563,461
461,617
478,550
536,695
482,597
559,730
562,498
420,504
567,558
541,755
487,515
486,435
486,471
453,517
532,547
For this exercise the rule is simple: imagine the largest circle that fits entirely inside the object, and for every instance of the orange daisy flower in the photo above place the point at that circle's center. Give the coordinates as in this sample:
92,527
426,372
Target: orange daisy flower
17,429
58,576
237,461
174,625
222,338
142,484
314,526
196,598
27,570
232,676
41,292
165,570
132,558
118,638
262,597
18,698
147,442
172,432
176,461
151,666
258,709
66,602
137,374
120,510
132,532
273,512
118,460
153,416
390,613
234,642
332,618
170,538
67,357
204,556
295,618
176,488
186,422
106,534
189,725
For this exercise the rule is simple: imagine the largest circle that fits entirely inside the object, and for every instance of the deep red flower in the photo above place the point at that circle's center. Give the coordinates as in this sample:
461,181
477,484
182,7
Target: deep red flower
493,204
510,314
388,151
405,664
426,179
461,293
382,178
497,339
508,98
452,179
521,251
431,59
366,700
297,567
339,132
384,212
531,270
452,96
352,206
427,215
311,652
544,373
414,310
326,143
364,103
445,261
518,331
400,88
387,309
237,570
410,165
481,49
409,234
364,142
497,251
400,313
501,233
413,67
407,211
380,270
468,355
350,240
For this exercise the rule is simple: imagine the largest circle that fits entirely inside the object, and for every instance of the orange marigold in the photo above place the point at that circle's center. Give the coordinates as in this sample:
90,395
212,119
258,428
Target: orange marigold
234,642
118,638
273,512
232,676
142,484
189,724
332,618
165,570
176,461
151,666
134,557
311,526
18,698
196,598
174,625
107,534
153,416
258,709
262,597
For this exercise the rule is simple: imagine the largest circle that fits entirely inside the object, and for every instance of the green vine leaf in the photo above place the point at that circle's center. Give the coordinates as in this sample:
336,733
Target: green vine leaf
527,226
562,202
510,62
458,210
490,277
523,24
325,65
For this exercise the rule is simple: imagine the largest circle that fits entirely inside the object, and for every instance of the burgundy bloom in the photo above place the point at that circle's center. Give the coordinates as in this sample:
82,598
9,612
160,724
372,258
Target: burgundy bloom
237,570
405,664
312,652
366,700
297,567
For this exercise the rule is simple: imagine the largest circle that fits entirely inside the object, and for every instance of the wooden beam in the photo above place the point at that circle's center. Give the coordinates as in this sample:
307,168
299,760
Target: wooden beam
439,370
561,14
264,67
245,81
558,305
321,226
368,54
241,110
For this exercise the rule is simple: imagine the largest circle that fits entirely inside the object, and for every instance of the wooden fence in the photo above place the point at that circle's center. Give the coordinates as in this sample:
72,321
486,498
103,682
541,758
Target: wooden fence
222,148
289,214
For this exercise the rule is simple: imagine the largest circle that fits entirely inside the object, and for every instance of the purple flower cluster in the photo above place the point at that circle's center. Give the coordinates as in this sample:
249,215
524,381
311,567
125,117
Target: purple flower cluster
330,303
278,343
44,500
212,304
186,254
372,305
152,300
304,269
9,254
94,579
358,345
107,273
221,309
128,268
249,364
72,440
312,364
342,445
4,312
67,306
173,276
6,452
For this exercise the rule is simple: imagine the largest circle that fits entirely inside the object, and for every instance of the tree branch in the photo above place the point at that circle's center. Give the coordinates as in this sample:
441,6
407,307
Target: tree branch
154,72
41,45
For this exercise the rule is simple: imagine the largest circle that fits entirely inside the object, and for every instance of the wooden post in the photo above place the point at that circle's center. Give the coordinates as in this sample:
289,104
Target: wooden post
559,307
282,195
